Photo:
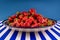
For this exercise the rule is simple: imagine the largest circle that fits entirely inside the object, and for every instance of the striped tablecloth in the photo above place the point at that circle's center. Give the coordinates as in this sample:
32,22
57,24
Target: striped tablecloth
50,34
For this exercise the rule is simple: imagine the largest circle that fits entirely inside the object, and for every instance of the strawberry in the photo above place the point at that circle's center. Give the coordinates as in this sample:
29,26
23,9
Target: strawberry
45,24
12,24
40,19
25,18
39,24
31,18
13,16
35,15
34,25
21,23
19,20
29,21
18,24
15,19
10,19
27,24
35,21
32,11
20,16
25,13
45,19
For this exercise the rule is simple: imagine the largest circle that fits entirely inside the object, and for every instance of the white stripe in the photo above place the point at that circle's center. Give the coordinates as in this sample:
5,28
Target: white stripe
9,35
56,29
57,26
37,36
58,23
2,27
46,35
59,39
27,36
1,34
1,21
19,36
55,35
1,24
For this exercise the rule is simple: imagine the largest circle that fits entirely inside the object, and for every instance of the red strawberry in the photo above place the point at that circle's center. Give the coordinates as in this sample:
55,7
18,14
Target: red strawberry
18,24
22,24
25,18
19,20
45,24
12,24
40,15
31,18
29,21
45,20
25,13
35,15
13,16
35,21
40,20
10,19
32,11
27,24
20,16
35,25
39,24
15,20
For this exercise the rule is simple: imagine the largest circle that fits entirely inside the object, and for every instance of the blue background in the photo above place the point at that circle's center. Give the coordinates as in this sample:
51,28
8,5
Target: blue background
48,8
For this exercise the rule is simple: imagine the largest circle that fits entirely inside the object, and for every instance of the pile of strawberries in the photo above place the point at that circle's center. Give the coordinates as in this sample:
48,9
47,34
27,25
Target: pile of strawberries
28,19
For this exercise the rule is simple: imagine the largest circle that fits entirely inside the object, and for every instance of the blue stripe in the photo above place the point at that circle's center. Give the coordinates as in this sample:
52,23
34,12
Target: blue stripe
32,36
0,23
1,39
23,36
55,32
50,35
2,29
41,35
5,34
14,35
56,27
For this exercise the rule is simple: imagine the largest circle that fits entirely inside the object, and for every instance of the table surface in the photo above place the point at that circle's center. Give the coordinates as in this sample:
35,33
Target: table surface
50,34
48,8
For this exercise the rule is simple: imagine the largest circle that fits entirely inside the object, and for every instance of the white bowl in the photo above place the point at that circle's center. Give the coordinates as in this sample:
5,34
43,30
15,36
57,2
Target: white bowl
30,29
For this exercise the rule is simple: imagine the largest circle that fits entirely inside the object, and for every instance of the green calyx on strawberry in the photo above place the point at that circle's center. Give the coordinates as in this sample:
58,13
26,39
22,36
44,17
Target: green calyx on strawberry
28,19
